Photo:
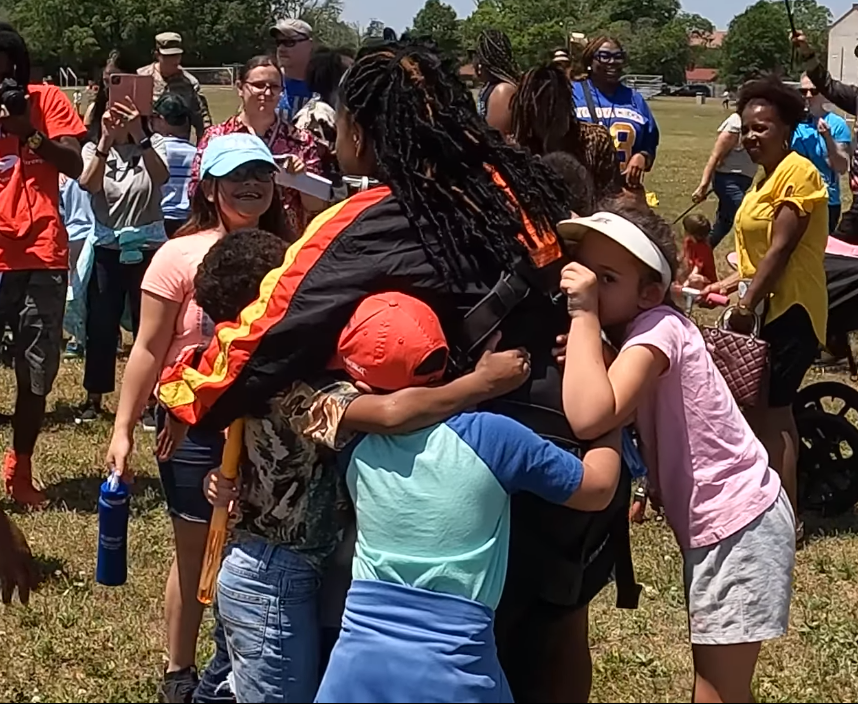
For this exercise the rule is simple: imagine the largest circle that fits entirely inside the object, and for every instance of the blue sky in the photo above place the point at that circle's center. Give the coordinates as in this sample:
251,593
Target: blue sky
399,13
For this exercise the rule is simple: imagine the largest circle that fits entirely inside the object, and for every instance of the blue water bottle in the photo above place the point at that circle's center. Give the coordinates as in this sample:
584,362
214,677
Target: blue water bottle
113,507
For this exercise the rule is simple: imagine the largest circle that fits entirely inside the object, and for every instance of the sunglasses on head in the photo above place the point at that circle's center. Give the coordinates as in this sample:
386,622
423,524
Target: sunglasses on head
250,172
290,42
809,91
608,57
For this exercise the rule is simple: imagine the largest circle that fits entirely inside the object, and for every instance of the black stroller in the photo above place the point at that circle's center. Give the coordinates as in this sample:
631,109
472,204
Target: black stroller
826,412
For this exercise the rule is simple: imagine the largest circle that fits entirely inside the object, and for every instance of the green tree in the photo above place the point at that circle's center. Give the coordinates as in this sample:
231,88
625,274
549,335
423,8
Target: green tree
661,50
535,27
660,12
696,26
654,32
438,21
758,39
374,31
83,32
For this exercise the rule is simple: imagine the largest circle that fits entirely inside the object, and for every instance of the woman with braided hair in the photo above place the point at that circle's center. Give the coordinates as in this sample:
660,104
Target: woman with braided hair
496,67
544,121
456,209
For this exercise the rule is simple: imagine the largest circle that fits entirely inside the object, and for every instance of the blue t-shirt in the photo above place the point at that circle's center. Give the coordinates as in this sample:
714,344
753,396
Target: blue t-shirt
626,115
76,210
433,507
807,141
296,94
174,194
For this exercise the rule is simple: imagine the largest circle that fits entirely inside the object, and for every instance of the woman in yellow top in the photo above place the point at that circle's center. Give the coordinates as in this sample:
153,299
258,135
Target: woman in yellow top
781,232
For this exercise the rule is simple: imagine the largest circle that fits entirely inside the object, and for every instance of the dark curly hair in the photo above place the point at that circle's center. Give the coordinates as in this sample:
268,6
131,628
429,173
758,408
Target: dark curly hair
576,176
441,161
229,276
787,102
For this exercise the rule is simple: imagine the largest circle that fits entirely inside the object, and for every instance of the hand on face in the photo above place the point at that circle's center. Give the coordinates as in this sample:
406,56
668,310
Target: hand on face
581,289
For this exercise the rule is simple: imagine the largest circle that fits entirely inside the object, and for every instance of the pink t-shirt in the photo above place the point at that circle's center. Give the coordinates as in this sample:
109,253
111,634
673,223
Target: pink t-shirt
711,472
171,276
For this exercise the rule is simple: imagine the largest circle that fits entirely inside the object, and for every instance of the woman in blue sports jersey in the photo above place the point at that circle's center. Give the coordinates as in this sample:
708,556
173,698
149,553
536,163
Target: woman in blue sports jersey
603,99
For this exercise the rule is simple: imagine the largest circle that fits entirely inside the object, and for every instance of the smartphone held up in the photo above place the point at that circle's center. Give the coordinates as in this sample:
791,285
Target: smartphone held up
139,89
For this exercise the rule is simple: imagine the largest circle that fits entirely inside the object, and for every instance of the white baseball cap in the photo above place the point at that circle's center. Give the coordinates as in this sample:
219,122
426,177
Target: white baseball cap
626,234
295,29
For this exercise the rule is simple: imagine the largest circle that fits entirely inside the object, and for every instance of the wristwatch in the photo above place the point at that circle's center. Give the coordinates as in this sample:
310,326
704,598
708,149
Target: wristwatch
145,143
35,141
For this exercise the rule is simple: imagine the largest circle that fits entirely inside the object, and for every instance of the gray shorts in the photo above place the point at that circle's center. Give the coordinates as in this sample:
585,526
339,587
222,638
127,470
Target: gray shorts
739,590
32,304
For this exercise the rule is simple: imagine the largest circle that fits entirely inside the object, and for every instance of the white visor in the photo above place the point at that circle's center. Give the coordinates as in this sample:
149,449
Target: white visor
624,233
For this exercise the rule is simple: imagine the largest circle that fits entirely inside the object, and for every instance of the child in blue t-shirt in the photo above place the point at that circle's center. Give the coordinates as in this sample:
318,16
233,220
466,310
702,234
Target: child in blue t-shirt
433,512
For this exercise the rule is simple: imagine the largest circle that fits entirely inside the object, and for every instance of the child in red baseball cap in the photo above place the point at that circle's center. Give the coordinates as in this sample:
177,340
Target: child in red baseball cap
289,493
433,511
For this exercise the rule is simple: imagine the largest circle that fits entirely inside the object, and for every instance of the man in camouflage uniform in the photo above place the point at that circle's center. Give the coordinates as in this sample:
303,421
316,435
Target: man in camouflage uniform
170,77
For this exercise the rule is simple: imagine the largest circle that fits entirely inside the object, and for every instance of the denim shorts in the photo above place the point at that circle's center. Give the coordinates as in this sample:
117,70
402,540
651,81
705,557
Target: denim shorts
183,475
267,598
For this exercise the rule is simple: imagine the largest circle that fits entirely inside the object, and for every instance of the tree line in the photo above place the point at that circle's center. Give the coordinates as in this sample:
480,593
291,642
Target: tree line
655,33
81,33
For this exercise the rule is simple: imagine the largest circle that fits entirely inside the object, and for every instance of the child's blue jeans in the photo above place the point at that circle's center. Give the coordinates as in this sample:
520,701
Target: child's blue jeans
268,603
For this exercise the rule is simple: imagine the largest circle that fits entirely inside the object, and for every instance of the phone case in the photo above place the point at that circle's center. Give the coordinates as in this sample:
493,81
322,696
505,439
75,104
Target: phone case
139,88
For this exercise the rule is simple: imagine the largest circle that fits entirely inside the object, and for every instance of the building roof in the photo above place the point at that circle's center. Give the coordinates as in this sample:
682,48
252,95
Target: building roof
701,75
710,41
849,13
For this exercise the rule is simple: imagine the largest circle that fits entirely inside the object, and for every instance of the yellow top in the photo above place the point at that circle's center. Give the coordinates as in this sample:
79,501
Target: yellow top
795,181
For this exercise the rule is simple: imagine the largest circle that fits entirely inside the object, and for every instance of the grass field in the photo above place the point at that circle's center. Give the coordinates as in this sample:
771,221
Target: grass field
81,642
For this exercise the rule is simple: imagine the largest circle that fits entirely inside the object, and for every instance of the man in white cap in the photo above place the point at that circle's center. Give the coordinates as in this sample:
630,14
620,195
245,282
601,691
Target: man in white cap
170,77
294,39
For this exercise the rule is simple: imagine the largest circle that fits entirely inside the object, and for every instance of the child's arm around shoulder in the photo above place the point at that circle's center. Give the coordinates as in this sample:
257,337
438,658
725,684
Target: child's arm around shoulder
523,461
596,399
408,410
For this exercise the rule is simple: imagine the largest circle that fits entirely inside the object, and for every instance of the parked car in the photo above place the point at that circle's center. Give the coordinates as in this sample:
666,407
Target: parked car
693,90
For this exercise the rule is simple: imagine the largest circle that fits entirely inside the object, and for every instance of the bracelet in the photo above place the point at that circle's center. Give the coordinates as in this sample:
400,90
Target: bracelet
145,143
100,154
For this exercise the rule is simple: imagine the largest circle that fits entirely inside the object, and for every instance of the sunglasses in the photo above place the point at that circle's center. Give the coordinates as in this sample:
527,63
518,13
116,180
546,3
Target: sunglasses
250,172
610,57
264,87
290,42
811,92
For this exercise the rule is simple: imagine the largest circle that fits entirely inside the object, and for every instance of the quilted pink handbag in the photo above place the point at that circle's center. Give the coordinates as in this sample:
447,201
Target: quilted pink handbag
741,359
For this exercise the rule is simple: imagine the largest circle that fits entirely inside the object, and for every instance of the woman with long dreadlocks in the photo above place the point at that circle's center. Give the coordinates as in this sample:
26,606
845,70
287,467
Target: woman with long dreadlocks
496,67
544,121
602,98
457,209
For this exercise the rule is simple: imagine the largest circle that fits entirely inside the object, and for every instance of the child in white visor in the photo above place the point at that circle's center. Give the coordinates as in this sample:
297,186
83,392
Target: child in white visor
727,508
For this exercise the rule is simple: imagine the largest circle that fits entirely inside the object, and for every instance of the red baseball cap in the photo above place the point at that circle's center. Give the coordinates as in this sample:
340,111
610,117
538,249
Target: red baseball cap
393,341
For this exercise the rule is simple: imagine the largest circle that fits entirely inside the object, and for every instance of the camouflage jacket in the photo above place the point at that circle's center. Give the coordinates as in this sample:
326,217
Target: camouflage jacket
188,87
291,491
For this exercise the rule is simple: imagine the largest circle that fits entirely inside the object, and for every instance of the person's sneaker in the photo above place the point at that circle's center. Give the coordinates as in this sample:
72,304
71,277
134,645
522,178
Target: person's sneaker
88,413
74,350
148,420
178,686
18,479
